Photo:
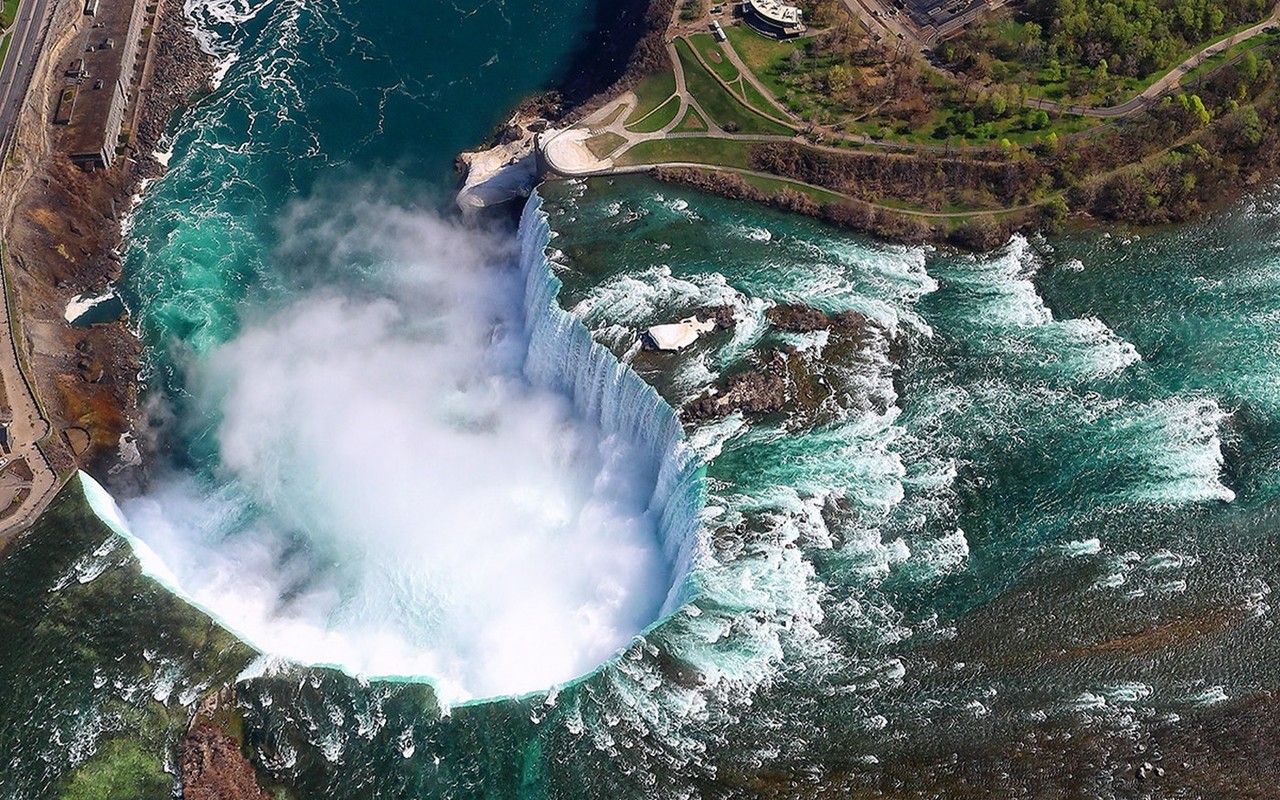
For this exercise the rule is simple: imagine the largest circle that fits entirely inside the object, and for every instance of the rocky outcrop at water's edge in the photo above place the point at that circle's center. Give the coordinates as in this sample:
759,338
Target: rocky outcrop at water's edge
213,768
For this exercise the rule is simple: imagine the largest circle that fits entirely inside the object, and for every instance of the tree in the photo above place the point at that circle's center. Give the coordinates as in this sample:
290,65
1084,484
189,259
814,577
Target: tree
1247,66
1199,113
998,105
839,79
1248,127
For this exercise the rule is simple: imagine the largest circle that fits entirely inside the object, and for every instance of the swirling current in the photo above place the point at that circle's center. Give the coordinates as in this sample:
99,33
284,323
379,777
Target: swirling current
1011,534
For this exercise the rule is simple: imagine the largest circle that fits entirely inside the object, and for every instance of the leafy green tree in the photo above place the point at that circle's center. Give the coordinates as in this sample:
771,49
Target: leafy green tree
1247,66
1249,127
1199,113
999,106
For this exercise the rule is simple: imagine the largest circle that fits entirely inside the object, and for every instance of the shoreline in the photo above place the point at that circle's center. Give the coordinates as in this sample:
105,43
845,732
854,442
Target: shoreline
64,231
973,196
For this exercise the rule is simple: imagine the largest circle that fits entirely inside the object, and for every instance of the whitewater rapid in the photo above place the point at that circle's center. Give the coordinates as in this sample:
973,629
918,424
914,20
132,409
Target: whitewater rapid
522,507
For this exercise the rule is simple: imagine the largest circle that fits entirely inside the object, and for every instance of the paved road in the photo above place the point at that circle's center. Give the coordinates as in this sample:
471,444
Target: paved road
28,423
15,74
1172,78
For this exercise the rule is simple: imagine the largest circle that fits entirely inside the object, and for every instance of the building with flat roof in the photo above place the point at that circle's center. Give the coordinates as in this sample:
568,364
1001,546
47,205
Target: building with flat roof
94,111
774,18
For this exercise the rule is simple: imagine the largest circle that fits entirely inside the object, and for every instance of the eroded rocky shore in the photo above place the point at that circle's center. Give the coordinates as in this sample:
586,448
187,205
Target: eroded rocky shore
62,226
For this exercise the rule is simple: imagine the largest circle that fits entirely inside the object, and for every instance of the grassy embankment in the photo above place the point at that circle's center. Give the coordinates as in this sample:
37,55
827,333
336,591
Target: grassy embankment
656,103
712,54
712,151
8,13
724,108
604,144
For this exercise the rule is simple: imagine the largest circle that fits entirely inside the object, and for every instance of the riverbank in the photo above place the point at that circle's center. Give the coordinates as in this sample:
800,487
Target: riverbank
62,229
711,117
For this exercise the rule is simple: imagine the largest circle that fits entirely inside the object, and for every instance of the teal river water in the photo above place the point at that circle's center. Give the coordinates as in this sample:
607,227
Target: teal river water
1024,541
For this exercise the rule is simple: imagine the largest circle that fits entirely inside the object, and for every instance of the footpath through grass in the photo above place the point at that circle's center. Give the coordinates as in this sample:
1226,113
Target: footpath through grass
764,57
659,119
8,13
1230,54
651,93
724,109
1051,81
711,53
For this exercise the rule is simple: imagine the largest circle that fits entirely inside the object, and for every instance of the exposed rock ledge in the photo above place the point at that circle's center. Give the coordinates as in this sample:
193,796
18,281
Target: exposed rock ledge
808,386
213,768
506,171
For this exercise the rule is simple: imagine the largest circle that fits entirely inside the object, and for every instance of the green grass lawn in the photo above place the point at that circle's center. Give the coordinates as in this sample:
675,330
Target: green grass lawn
714,57
754,98
723,152
763,56
652,92
775,185
4,46
604,144
659,119
8,13
724,109
692,123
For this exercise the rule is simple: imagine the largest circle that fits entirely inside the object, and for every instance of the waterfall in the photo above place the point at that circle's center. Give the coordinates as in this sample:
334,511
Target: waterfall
563,357
417,603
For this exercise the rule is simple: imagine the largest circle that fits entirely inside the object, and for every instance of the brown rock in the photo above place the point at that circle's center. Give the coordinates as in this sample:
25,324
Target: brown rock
759,391
798,318
722,316
213,768
851,322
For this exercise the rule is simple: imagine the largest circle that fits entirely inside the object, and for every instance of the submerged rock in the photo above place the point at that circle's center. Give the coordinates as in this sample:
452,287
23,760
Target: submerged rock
851,372
722,316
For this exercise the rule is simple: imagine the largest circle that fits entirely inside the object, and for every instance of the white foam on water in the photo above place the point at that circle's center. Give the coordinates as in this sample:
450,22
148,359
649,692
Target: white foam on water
1178,444
394,497
640,299
1210,695
1001,296
1082,547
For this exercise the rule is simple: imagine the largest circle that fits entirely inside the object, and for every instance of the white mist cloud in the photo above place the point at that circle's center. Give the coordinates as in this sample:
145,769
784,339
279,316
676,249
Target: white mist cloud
392,497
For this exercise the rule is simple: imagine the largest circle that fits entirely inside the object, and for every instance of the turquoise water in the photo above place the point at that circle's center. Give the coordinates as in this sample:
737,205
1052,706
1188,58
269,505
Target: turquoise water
1021,542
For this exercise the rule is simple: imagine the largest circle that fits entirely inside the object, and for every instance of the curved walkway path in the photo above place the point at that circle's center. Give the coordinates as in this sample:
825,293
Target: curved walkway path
569,153
1169,80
